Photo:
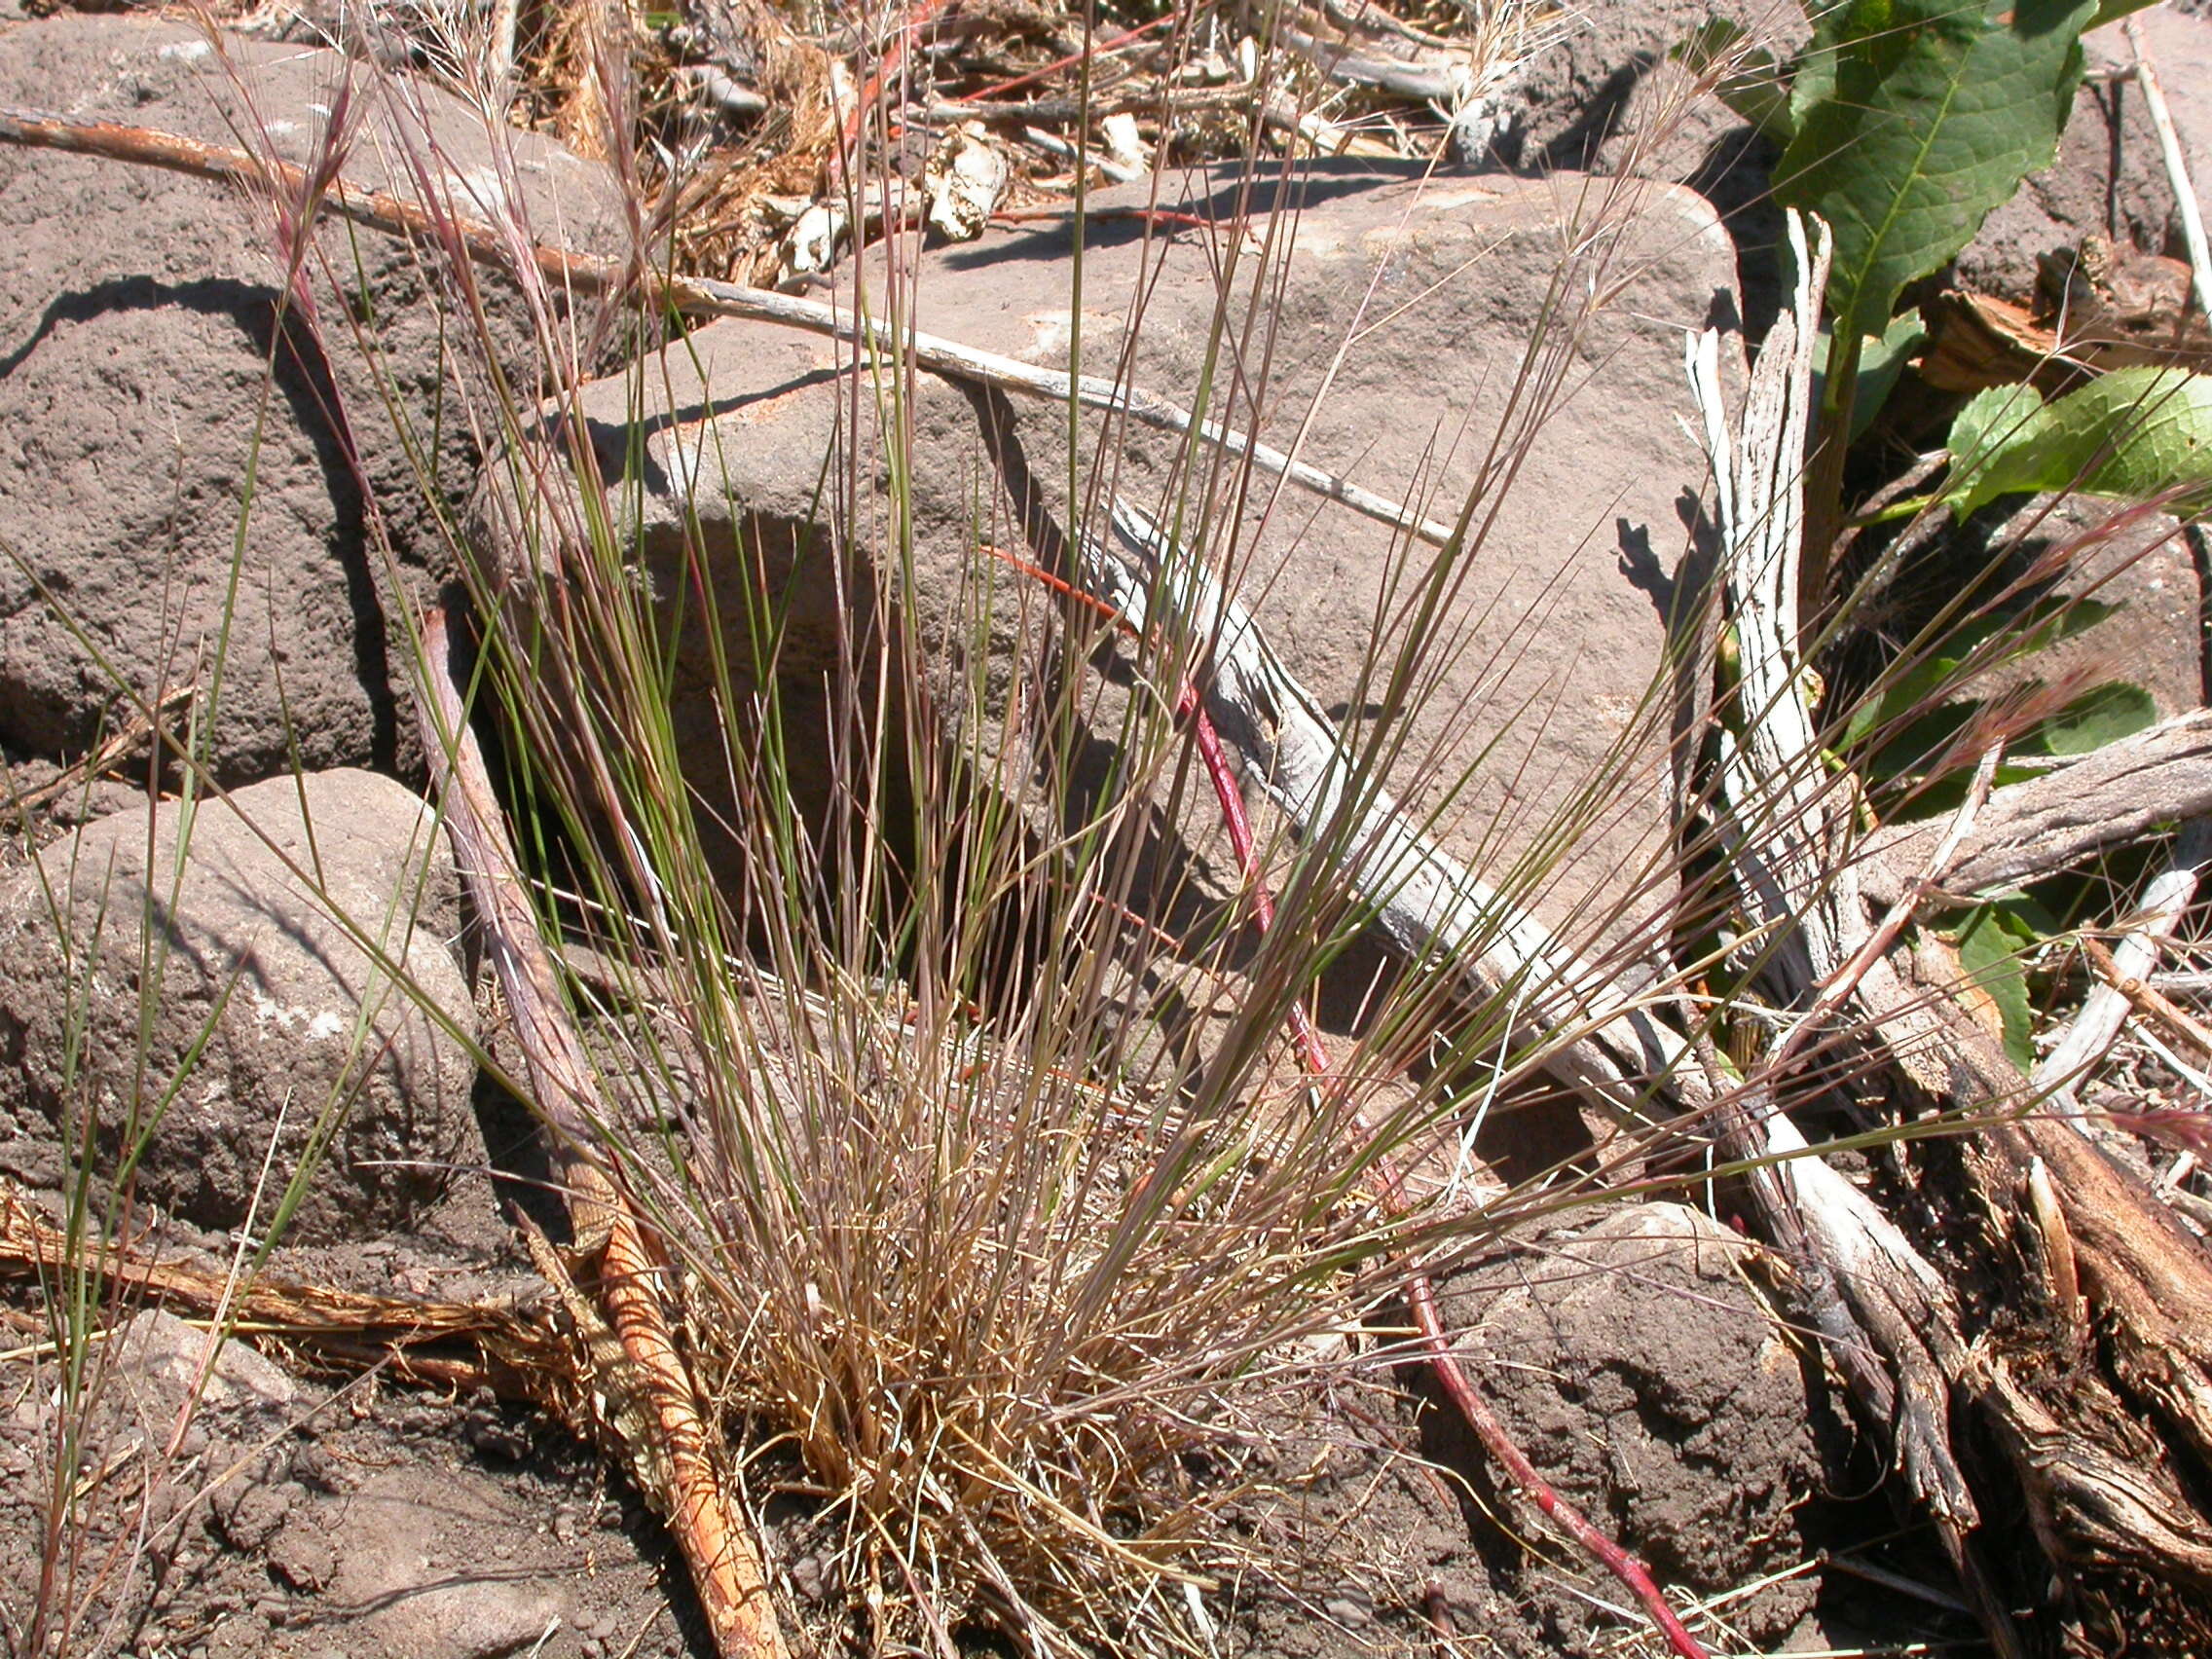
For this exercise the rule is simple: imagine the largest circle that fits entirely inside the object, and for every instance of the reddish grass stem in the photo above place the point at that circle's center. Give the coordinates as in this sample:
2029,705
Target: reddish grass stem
1421,1292
1113,43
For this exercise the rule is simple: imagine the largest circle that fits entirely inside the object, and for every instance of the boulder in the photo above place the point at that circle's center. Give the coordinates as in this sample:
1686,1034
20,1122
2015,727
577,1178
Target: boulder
747,438
150,393
1651,1388
413,1574
219,1004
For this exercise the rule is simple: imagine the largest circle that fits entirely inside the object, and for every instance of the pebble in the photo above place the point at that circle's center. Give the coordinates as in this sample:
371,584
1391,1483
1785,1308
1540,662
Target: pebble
1345,1612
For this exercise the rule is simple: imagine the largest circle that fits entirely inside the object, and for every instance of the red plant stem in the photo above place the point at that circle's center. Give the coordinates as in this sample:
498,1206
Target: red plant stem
1111,44
1421,1292
918,17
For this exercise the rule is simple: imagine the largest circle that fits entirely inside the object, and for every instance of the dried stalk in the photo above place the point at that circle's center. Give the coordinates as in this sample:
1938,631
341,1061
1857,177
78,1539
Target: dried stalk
653,1403
693,296
2186,204
1782,820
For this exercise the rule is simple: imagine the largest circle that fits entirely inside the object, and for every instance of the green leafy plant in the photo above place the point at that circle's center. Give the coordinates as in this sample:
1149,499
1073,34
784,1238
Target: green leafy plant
2135,435
1903,124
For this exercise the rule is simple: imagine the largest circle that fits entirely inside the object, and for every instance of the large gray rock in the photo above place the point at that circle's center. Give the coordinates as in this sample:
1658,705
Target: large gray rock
298,1034
138,323
413,1574
1557,616
1652,1388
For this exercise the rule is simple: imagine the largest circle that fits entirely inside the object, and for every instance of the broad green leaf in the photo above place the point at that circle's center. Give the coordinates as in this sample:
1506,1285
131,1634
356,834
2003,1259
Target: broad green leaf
1914,119
2102,715
1990,945
1991,417
1881,361
2134,435
2112,11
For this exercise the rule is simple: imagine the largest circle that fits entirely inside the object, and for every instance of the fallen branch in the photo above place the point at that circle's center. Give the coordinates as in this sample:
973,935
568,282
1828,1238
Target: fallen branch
2107,798
650,1402
691,296
453,1344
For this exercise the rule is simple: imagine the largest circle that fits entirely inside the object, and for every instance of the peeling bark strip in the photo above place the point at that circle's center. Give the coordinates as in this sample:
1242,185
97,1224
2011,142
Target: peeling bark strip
2101,1492
691,296
1775,812
649,1399
450,1344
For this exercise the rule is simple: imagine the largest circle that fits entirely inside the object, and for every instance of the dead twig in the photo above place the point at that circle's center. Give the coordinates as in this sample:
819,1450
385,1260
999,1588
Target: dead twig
2177,168
652,1405
126,740
2145,998
695,296
2096,1025
503,1347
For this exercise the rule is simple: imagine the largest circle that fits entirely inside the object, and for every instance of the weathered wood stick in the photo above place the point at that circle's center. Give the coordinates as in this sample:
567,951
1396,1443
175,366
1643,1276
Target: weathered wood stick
2088,1036
693,296
676,1467
2106,799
